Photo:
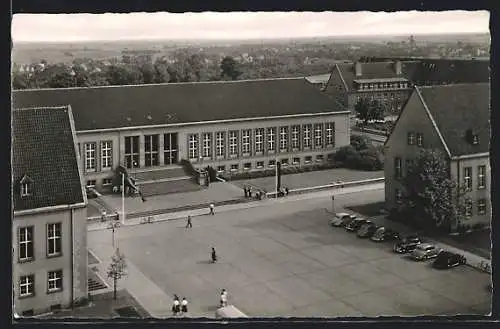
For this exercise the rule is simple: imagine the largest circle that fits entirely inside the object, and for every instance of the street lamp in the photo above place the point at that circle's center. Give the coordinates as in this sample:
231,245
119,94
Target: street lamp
113,225
123,198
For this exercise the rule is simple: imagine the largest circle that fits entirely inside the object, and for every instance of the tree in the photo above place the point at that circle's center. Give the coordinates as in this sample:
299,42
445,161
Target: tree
367,110
123,75
117,269
430,195
228,67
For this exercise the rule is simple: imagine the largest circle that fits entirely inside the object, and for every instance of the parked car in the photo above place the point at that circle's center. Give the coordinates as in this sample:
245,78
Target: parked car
448,259
341,219
367,230
425,251
354,225
384,234
407,244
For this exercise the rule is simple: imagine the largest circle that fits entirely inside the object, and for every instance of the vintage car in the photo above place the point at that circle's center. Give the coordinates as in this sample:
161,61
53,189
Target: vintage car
341,219
425,251
447,259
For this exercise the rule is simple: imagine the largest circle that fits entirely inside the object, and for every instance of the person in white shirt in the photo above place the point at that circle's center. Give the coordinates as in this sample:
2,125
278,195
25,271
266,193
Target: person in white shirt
223,298
176,307
212,206
184,307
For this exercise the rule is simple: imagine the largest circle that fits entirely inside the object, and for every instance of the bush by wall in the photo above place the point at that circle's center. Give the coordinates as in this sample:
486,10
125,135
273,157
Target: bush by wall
284,171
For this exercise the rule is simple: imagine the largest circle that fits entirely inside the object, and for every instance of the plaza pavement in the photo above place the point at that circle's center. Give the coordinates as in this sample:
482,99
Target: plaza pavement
282,259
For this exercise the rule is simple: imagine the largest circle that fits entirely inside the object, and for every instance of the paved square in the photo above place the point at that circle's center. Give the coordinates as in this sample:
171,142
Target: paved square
284,260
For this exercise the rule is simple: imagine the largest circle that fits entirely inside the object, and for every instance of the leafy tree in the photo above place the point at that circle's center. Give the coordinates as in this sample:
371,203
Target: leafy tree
62,80
117,269
229,68
431,196
359,142
367,110
123,75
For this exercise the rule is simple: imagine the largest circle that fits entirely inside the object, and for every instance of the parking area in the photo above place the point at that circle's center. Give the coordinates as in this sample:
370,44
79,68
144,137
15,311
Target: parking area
287,261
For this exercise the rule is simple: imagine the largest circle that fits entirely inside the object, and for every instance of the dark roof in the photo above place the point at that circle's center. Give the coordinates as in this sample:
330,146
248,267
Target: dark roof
432,72
43,149
142,105
375,70
457,109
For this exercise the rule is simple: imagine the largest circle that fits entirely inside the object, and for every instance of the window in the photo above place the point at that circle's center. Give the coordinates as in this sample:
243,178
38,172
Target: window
55,281
27,285
247,165
234,167
106,155
221,168
91,183
233,143
411,138
193,146
468,208
475,139
295,137
330,134
481,177
397,168
420,139
271,139
54,239
26,243
151,150
259,136
409,165
107,181
25,189
399,196
308,159
481,206
272,163
468,178
219,144
90,149
132,151
318,136
207,145
260,164
284,162
245,141
296,161
170,148
283,138
307,135
320,158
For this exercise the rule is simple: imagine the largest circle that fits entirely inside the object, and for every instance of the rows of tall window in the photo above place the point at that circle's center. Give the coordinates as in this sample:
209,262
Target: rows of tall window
270,140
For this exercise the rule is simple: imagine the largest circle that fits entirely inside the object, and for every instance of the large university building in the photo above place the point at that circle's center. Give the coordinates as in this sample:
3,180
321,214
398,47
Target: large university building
49,227
455,120
234,126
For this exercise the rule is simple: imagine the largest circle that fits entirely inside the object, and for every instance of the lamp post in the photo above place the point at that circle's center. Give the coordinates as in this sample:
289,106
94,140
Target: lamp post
113,225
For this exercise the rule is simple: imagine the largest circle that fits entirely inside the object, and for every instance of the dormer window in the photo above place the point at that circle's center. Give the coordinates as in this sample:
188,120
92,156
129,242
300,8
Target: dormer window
472,137
475,139
26,186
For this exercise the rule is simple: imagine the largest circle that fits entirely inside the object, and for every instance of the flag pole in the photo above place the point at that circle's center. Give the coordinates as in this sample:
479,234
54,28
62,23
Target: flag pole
123,198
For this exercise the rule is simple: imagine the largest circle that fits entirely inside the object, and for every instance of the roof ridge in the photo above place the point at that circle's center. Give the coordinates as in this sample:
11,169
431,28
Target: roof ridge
59,107
454,85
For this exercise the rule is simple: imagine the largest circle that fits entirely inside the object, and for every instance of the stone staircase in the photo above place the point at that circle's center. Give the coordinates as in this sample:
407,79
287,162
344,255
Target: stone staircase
171,179
172,171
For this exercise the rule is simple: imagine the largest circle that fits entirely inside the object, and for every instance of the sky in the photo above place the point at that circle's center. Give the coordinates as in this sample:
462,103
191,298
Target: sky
241,25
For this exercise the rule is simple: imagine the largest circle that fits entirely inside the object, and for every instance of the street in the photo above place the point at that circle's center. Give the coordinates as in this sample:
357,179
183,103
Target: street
282,259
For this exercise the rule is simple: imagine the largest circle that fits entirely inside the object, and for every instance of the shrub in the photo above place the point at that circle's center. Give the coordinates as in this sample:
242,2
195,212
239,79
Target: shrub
360,142
343,153
212,173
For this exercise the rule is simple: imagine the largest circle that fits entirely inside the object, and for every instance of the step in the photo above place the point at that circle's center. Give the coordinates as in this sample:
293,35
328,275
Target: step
157,173
170,186
142,183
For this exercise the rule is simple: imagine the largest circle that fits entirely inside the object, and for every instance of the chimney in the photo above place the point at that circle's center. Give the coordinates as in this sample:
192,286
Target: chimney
357,69
397,67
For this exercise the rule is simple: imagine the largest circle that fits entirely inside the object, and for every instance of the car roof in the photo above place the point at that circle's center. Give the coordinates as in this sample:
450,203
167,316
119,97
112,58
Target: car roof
425,245
342,214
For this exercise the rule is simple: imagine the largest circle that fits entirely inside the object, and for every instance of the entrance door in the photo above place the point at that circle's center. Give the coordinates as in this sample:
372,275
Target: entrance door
170,148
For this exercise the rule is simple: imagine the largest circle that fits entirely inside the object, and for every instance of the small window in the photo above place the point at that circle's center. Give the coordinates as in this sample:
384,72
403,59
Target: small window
481,206
308,159
320,158
260,164
272,163
284,162
221,168
91,183
26,184
420,139
475,139
247,165
399,196
234,167
411,138
27,285
296,161
107,181
55,281
468,208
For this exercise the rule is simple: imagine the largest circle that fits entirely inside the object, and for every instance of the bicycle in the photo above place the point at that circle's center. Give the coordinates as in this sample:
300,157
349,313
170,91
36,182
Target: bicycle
147,220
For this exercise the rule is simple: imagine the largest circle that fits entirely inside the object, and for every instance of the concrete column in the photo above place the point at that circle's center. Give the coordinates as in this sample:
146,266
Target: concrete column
161,144
142,161
121,150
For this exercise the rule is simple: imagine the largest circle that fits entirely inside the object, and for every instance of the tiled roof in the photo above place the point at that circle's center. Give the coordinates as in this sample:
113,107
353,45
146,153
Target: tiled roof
457,109
432,72
43,149
142,105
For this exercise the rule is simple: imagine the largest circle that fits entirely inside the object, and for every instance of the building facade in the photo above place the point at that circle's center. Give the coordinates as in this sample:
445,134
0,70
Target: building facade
49,228
232,126
455,120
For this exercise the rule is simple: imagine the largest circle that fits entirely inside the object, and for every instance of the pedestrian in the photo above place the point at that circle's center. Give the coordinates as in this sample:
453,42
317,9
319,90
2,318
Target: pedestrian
246,191
212,212
214,255
286,190
250,191
189,223
223,298
176,306
184,305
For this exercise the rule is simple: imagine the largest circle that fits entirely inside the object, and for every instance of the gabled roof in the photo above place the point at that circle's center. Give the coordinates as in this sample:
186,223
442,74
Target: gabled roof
43,149
457,109
159,104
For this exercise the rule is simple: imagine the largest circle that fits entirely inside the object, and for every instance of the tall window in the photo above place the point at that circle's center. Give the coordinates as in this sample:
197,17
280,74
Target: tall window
245,141
307,135
411,138
468,207
207,145
233,142
55,279
283,138
397,168
318,137
271,139
399,196
106,155
409,165
219,144
26,285
468,178
259,140
193,146
26,189
90,149
151,150
170,148
330,134
26,243
295,137
420,139
481,206
481,177
132,151
54,239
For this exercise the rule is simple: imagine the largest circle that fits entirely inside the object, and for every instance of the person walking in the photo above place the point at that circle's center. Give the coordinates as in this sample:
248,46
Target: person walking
214,255
212,211
189,223
223,298
176,306
184,305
